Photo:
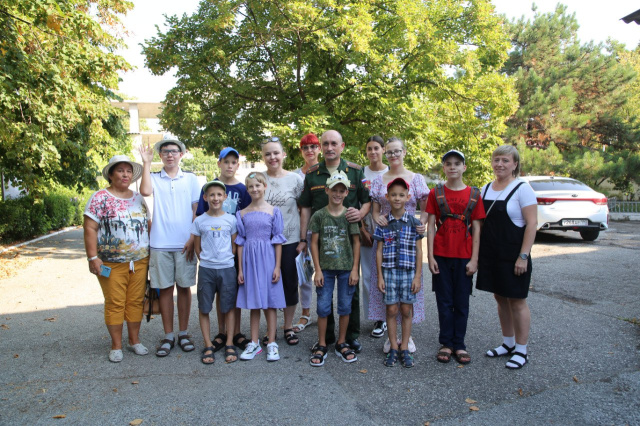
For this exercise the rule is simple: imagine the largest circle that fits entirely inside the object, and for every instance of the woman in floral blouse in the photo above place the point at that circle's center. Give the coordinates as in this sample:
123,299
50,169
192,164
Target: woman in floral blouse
116,239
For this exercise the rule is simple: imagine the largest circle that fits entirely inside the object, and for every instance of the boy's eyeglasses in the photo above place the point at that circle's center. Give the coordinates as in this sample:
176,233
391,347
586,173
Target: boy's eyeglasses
309,147
167,152
395,153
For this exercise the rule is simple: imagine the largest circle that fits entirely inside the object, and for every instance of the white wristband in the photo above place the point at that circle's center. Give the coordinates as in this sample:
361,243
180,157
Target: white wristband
92,258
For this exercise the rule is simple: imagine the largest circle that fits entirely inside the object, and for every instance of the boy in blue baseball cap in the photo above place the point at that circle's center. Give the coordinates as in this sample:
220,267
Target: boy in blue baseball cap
237,199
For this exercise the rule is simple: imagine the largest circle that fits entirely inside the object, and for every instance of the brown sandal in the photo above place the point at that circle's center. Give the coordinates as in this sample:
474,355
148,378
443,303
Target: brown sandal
186,343
444,356
462,356
162,352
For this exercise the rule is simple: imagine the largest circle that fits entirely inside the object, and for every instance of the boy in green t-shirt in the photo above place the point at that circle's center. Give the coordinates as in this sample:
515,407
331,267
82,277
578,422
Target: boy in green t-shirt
334,257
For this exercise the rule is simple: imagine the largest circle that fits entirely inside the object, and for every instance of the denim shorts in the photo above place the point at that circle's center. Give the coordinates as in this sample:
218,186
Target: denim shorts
222,281
325,293
397,284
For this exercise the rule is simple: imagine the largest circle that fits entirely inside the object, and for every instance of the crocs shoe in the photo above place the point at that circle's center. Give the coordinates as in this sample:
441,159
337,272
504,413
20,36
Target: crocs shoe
138,349
115,355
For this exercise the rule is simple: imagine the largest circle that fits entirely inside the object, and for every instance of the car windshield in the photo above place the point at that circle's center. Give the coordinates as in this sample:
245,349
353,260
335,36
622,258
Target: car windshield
558,185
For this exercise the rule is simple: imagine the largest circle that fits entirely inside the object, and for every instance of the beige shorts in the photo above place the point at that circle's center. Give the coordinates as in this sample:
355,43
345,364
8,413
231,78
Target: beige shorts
167,267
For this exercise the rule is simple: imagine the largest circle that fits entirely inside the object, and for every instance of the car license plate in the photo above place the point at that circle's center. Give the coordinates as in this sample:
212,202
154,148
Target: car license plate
582,222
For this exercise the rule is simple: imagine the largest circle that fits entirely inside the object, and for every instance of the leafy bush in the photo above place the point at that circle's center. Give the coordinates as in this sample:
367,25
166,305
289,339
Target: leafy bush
22,218
201,163
27,217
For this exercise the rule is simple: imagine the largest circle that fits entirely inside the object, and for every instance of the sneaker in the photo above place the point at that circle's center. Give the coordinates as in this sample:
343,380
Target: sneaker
411,346
387,347
379,329
251,351
272,352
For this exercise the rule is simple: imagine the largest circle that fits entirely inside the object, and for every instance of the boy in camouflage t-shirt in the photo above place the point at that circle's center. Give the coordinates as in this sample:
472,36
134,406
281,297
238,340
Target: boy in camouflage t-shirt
335,249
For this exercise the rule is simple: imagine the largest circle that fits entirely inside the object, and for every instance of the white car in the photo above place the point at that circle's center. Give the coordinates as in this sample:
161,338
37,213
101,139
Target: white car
567,204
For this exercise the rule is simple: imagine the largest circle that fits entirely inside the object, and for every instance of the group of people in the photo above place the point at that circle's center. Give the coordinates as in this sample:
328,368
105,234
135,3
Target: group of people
359,225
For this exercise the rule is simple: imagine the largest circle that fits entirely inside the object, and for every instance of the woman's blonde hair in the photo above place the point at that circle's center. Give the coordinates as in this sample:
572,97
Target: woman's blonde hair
259,176
513,152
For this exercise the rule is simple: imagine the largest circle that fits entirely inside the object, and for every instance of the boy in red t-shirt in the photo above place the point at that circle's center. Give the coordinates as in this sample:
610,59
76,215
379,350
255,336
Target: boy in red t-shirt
457,211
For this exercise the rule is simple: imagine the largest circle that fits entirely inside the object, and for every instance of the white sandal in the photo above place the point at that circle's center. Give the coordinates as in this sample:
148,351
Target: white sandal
300,326
115,355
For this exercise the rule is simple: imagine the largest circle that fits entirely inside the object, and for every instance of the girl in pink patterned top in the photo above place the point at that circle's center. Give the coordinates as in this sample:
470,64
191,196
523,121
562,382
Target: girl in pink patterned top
395,151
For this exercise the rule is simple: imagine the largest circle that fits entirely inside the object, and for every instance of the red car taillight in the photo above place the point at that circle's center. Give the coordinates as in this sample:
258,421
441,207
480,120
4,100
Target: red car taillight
546,201
549,201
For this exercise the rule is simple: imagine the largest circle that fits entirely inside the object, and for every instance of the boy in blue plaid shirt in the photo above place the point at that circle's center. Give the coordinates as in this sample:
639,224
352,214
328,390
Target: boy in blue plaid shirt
399,263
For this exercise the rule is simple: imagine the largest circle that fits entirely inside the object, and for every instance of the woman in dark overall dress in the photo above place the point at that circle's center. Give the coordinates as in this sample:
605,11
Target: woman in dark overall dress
504,264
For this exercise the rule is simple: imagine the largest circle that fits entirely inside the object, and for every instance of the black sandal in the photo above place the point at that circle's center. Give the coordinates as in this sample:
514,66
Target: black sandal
219,345
318,356
518,365
495,354
230,351
205,355
345,354
291,337
241,341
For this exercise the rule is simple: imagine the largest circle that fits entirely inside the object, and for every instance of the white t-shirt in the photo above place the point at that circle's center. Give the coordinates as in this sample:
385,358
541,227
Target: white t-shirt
283,193
173,199
523,197
370,175
215,239
299,172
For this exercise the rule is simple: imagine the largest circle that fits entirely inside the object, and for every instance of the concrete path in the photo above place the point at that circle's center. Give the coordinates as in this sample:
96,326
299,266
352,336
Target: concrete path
584,365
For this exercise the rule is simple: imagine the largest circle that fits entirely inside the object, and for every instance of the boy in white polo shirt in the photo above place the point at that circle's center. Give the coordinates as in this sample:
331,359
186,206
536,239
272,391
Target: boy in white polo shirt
175,198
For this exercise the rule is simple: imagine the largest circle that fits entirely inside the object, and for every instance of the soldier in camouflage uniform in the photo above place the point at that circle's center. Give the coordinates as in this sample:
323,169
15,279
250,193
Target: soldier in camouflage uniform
314,198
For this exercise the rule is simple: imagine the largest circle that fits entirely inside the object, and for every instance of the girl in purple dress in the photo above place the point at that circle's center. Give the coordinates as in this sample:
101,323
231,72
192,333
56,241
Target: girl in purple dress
259,241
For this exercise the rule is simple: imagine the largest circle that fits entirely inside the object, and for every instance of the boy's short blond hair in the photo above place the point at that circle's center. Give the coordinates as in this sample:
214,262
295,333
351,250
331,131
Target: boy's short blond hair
259,176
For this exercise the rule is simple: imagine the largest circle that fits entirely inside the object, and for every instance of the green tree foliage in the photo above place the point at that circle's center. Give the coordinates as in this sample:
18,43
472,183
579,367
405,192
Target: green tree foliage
427,72
198,161
574,100
537,161
57,72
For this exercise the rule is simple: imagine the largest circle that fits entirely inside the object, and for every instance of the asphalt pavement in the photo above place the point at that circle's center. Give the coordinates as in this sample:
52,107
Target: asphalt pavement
583,367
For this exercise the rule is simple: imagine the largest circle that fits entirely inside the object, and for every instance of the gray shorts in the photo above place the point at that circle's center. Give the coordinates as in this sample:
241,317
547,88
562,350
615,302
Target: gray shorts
221,281
168,267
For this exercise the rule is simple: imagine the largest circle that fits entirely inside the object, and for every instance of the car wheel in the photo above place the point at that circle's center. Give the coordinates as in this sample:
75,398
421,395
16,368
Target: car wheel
589,234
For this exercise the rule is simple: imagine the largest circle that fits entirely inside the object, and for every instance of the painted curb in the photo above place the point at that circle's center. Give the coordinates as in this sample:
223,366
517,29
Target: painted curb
44,237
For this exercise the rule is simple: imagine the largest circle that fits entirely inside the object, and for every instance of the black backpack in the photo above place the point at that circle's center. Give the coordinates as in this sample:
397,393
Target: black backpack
445,211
